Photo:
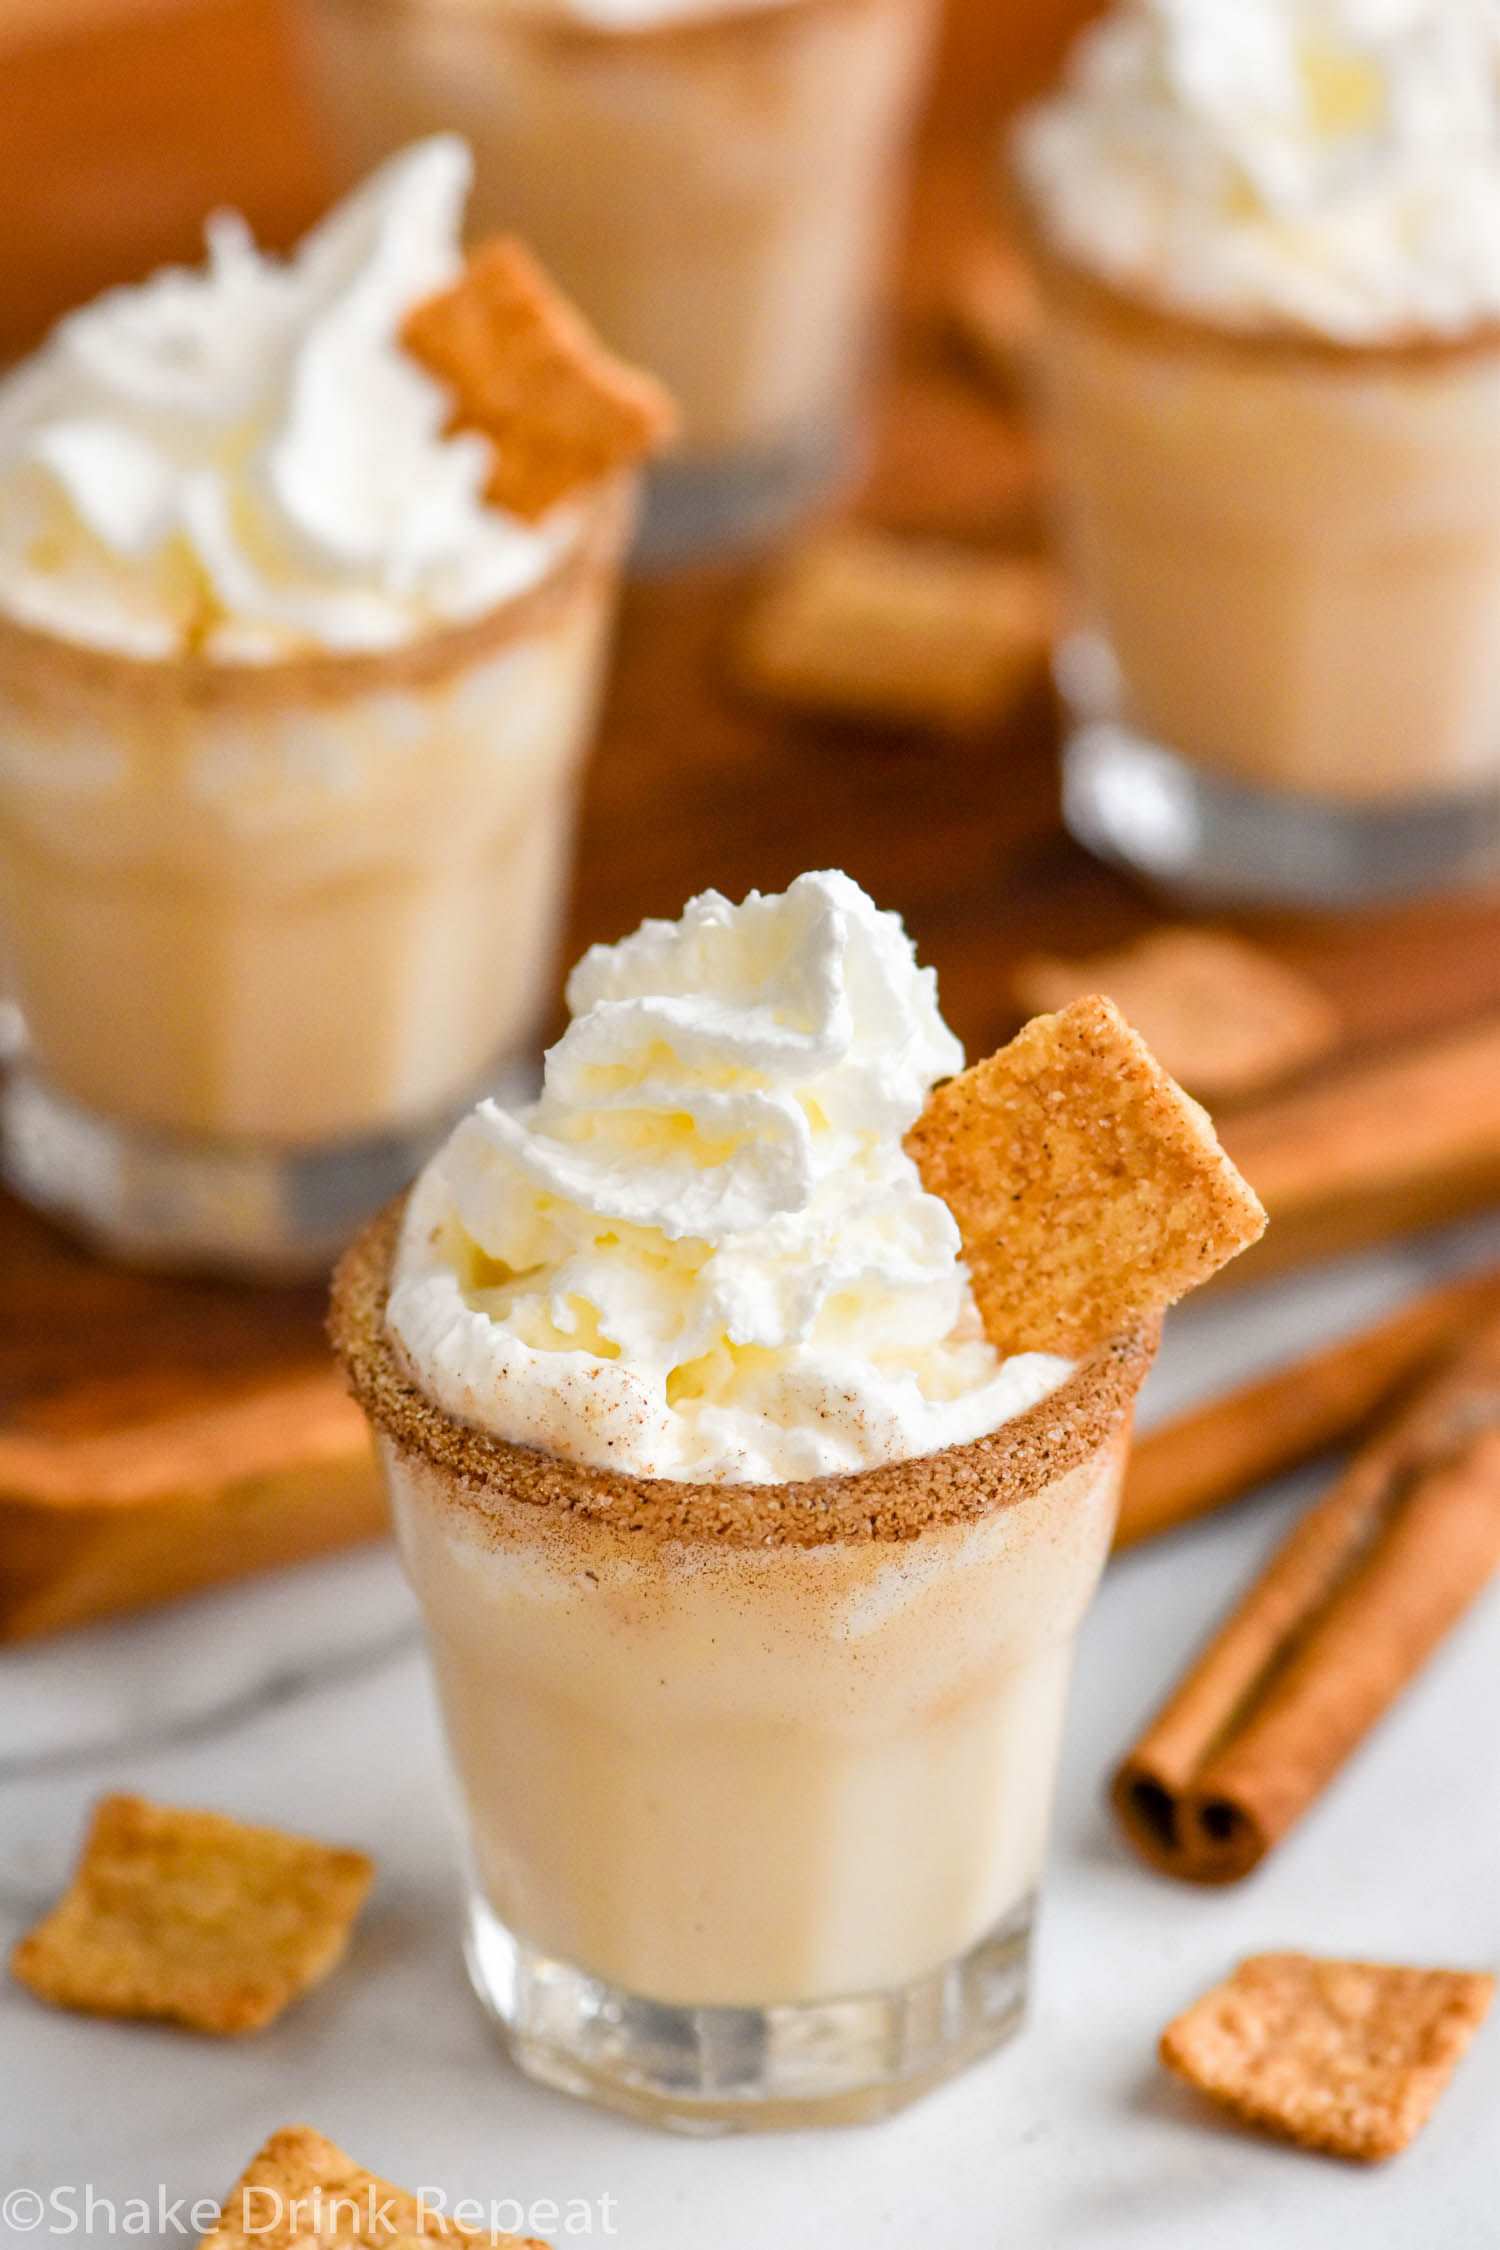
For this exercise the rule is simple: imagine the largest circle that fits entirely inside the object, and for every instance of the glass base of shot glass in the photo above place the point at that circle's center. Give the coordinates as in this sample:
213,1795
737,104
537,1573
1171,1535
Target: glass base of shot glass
1144,807
239,1209
720,2070
699,508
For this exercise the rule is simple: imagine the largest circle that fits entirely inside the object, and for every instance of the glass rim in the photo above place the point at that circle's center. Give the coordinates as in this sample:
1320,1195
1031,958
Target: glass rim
699,20
893,1502
34,660
1068,280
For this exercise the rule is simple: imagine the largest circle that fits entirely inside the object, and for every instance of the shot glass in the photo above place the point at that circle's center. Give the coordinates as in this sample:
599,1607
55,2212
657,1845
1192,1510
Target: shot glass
270,927
716,191
1283,681
755,1818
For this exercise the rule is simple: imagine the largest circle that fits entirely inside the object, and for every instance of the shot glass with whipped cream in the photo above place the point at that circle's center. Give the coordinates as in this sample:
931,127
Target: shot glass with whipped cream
292,716
1269,242
713,180
751,1563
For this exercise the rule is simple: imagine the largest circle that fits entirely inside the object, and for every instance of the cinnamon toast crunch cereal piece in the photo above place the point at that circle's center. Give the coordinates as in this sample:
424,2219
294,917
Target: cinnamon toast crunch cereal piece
529,374
194,1918
1224,1017
299,2190
996,316
1347,2057
862,625
1090,1192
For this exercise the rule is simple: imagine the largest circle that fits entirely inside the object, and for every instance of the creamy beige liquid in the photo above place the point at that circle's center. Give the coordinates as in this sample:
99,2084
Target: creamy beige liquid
716,195
1294,557
739,1776
302,920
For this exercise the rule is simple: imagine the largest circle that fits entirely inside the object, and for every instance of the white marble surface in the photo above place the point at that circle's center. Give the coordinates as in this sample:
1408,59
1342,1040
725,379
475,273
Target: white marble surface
304,1700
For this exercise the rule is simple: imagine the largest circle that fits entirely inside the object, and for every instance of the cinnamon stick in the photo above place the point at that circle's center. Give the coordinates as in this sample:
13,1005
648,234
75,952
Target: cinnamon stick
1245,1438
1385,1143
1345,1614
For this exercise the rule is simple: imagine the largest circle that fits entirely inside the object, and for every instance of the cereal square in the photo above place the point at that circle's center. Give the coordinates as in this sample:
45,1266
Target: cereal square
194,1918
299,2190
1346,2057
1090,1192
862,625
1224,1017
529,374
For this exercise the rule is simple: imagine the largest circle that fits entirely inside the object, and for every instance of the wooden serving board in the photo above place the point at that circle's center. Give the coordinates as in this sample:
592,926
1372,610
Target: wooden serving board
156,1435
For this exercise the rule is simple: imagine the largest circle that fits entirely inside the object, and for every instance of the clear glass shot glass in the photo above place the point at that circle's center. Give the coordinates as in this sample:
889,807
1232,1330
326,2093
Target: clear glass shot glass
755,1781
716,191
270,928
1283,680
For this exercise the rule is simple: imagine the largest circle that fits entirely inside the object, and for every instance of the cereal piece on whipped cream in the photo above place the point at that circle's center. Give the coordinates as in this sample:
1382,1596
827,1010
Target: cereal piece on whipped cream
996,316
1089,1190
528,372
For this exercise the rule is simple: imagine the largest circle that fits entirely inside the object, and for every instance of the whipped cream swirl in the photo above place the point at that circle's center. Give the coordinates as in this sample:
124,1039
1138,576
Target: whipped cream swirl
1331,166
242,460
704,1252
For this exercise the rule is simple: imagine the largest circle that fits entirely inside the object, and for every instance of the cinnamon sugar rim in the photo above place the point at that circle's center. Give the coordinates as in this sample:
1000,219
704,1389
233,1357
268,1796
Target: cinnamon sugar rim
896,1501
736,18
32,657
1070,282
